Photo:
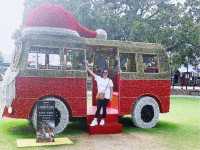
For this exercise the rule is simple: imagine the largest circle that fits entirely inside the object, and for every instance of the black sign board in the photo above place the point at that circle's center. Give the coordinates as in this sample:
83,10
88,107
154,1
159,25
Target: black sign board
45,121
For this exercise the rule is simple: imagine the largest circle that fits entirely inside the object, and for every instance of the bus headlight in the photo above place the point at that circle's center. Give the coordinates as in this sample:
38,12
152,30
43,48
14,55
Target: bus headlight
10,110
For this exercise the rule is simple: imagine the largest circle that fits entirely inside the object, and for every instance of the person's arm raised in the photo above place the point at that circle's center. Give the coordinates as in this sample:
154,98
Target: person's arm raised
90,71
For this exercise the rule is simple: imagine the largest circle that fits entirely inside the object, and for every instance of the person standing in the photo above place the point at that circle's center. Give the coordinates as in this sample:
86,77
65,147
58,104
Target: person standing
104,95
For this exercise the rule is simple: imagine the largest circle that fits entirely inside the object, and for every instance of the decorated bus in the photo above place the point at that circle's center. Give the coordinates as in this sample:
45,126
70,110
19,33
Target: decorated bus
49,64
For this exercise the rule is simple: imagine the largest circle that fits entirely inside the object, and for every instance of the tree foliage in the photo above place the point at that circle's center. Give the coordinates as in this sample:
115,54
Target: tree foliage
174,25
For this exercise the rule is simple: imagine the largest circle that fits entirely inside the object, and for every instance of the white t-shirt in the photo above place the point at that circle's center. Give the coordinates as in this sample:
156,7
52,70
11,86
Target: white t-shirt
104,85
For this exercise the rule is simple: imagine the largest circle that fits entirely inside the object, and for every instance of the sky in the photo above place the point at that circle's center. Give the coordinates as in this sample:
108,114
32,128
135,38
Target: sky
11,18
11,12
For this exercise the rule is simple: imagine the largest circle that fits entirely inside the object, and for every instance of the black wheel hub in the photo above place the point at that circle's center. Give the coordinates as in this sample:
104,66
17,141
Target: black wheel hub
147,113
57,116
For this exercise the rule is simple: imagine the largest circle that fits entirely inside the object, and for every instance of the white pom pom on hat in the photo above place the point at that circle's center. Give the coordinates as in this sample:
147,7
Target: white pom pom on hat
101,34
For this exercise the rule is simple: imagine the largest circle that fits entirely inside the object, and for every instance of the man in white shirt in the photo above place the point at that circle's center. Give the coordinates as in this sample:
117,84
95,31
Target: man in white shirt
105,89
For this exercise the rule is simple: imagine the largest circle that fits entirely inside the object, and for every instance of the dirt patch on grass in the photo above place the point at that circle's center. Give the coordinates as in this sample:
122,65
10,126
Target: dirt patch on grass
132,141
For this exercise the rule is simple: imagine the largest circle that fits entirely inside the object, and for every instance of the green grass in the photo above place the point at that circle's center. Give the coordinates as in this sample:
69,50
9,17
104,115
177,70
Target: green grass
13,129
178,129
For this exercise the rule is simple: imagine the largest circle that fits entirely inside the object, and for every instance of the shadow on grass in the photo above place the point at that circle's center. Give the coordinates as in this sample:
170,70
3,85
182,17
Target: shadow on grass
23,128
17,128
22,131
76,127
162,126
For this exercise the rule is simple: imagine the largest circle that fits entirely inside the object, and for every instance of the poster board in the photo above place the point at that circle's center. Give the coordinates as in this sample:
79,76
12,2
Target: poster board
45,121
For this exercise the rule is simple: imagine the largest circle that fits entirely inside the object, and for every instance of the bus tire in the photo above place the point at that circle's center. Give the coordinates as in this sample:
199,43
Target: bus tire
145,112
61,113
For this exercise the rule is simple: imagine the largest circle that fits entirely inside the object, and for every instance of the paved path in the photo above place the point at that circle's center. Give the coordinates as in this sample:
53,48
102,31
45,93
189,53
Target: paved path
184,88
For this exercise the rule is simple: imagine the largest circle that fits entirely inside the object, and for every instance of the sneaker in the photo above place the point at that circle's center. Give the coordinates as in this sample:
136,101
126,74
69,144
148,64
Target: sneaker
102,122
94,122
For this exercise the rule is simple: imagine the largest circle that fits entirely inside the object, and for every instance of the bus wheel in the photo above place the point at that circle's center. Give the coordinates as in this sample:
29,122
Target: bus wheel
145,112
61,115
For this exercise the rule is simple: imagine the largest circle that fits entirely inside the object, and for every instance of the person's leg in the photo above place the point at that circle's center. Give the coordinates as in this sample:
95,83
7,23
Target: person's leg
97,118
99,105
97,114
105,103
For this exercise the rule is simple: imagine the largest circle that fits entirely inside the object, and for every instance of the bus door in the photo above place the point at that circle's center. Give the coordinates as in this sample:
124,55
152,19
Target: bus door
105,58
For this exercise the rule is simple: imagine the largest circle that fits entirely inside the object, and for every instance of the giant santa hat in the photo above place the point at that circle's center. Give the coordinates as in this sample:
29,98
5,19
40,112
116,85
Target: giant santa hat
49,15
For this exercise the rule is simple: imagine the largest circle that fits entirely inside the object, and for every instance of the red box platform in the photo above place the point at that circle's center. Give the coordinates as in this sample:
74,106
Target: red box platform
111,122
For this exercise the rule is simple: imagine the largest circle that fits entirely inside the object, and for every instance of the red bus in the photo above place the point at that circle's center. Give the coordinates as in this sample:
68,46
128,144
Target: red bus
48,64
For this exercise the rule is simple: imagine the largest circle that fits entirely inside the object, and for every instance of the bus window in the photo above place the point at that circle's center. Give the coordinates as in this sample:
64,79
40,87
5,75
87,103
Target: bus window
32,60
105,58
36,60
150,63
90,58
74,59
101,62
127,62
43,58
54,61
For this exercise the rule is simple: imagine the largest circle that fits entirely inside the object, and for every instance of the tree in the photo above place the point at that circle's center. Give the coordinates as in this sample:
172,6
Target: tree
192,9
118,18
159,21
186,46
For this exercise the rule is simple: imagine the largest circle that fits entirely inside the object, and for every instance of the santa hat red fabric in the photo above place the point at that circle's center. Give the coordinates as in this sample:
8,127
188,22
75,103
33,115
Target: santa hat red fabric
56,16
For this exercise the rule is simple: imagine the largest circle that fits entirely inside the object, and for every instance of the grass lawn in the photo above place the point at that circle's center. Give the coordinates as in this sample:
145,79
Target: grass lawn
179,129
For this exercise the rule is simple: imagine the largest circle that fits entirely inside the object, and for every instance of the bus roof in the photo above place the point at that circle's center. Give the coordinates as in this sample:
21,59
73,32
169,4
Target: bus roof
128,46
58,34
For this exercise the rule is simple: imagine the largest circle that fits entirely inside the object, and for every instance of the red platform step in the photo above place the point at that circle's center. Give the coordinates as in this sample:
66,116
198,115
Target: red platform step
111,123
108,128
109,118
